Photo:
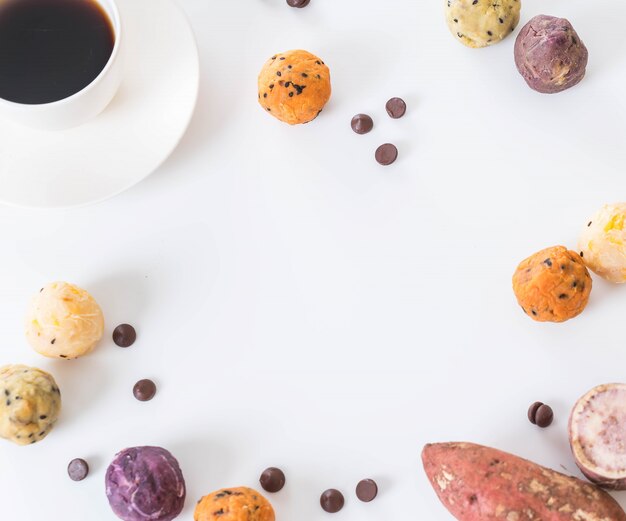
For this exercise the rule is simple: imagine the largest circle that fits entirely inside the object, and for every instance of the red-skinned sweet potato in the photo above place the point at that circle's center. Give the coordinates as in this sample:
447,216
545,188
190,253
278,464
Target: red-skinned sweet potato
477,483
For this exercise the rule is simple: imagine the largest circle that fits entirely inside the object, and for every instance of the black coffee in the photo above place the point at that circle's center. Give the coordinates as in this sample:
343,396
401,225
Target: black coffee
51,49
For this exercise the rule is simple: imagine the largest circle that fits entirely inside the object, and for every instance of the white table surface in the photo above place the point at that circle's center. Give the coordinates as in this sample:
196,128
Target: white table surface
301,306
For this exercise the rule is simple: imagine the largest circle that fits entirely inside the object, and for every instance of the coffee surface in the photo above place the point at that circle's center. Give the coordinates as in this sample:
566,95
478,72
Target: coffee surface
51,49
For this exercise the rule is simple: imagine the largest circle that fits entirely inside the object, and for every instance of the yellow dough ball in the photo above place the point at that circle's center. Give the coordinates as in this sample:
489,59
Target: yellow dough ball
602,243
234,504
294,86
30,403
479,23
63,321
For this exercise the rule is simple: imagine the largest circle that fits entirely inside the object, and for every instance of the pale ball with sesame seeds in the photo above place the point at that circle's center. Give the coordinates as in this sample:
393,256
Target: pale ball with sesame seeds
479,23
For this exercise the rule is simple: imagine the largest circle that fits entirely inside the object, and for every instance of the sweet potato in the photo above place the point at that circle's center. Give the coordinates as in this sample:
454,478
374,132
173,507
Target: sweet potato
477,483
597,434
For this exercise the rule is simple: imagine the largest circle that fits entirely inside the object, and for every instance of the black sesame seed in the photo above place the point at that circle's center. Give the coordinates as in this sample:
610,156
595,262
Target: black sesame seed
459,35
6,392
574,284
31,435
273,57
588,224
456,20
474,2
318,62
42,433
272,86
489,33
289,66
319,77
265,95
563,296
305,75
269,110
291,94
287,83
548,262
8,402
282,57
581,254
42,417
53,340
63,356
534,313
278,73
501,20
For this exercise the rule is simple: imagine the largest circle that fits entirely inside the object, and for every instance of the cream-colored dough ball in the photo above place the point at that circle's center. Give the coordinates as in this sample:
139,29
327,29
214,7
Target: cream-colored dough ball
63,321
479,23
602,243
30,403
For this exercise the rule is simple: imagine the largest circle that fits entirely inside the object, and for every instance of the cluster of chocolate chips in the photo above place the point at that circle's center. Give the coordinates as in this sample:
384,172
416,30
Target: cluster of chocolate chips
125,335
144,390
362,124
540,414
273,480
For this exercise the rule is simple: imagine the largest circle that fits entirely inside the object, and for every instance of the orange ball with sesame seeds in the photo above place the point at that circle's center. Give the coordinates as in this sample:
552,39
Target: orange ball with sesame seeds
294,86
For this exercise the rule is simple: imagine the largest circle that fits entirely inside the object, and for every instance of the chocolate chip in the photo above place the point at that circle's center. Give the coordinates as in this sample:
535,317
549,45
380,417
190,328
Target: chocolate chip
78,469
396,107
298,3
362,123
366,490
272,479
144,390
540,414
124,335
386,154
332,501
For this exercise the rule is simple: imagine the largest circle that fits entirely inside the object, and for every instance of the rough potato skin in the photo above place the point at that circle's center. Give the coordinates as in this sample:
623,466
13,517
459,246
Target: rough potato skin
553,285
477,483
234,504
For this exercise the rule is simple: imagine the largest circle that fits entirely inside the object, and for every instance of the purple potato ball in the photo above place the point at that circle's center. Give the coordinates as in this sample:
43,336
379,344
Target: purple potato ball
550,55
145,484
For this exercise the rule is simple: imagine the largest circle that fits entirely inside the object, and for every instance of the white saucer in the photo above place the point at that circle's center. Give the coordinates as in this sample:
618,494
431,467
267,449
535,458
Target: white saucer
130,139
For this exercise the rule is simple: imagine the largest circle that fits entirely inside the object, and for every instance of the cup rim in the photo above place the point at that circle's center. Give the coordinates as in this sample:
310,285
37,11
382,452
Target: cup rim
117,29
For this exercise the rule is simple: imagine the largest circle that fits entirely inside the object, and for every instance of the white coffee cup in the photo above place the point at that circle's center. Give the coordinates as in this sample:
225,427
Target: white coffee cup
83,105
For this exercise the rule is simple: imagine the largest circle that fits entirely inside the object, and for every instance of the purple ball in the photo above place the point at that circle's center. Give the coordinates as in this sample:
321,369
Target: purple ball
145,484
550,55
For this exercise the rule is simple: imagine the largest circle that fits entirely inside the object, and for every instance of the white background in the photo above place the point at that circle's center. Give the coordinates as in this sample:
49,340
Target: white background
301,306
